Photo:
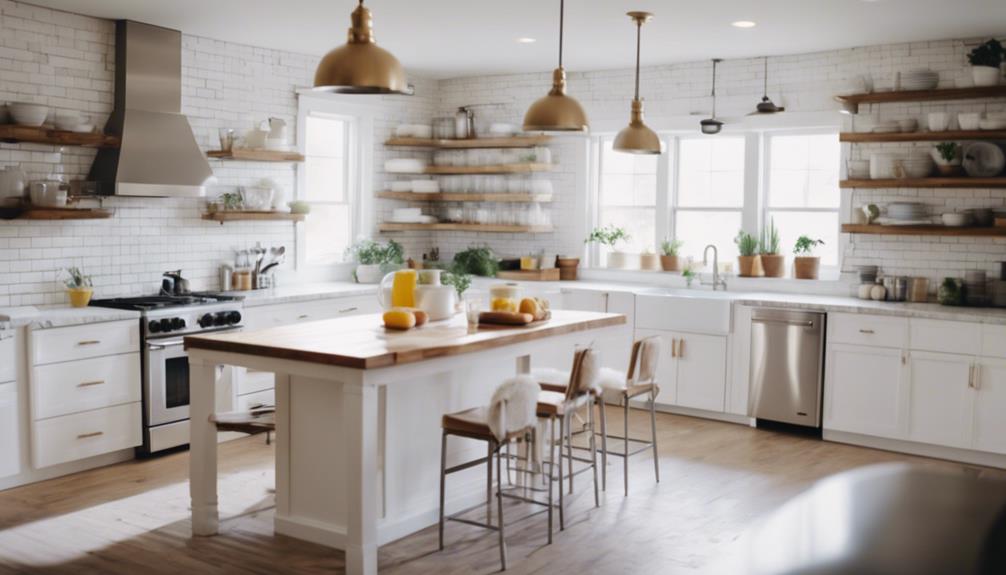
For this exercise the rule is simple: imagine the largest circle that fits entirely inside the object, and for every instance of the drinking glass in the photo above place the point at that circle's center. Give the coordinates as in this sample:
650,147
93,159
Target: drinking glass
226,139
473,307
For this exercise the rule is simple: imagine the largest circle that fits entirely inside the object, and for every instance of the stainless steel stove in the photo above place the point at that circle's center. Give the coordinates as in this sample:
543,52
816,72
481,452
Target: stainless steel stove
165,321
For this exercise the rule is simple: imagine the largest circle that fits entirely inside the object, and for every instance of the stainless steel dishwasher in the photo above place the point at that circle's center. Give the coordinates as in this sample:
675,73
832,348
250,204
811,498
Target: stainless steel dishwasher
787,366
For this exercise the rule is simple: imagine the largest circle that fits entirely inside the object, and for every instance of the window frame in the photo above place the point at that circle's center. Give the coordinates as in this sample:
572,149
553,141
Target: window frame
359,185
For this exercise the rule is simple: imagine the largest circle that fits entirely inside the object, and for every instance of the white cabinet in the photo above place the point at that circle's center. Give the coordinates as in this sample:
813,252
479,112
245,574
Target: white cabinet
72,437
940,398
989,425
10,442
75,386
693,369
84,341
613,348
864,390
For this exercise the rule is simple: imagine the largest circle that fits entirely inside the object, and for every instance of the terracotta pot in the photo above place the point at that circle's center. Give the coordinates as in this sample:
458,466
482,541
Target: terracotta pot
650,262
749,266
80,297
806,268
774,265
567,268
670,263
949,169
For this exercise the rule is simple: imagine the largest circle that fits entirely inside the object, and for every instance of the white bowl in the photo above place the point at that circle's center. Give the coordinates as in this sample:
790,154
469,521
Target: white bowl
423,131
956,220
992,124
968,121
938,121
25,114
67,121
256,199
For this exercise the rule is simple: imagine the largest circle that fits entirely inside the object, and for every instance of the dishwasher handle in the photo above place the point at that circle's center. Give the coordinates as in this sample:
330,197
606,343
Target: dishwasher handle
806,323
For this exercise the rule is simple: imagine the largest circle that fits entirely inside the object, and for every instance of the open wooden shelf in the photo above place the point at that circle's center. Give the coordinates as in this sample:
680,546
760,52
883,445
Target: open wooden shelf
66,214
925,95
393,227
933,230
526,198
256,155
11,133
510,142
238,216
949,135
525,168
934,182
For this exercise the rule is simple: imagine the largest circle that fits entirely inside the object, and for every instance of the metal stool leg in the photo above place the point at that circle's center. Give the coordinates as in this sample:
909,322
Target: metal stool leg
593,455
562,431
551,476
653,431
443,475
625,458
489,482
604,443
569,450
499,502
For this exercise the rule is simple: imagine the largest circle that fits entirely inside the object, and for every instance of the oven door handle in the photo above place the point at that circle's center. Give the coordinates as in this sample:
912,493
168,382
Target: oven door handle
164,344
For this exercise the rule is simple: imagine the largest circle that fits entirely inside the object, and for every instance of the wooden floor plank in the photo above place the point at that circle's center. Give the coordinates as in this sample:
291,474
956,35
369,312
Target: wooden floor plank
718,479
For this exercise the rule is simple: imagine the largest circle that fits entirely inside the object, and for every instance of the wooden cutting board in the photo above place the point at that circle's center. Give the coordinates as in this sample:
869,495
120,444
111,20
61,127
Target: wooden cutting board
549,275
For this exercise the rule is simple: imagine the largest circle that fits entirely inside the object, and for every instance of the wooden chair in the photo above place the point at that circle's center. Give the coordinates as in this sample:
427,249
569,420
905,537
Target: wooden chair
474,424
558,408
260,419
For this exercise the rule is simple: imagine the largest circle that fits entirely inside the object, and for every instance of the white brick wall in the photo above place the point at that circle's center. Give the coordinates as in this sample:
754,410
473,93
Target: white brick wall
66,61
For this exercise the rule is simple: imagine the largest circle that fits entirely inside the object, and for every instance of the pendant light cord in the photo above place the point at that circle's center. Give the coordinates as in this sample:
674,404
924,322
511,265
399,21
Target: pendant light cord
766,77
639,33
714,88
562,13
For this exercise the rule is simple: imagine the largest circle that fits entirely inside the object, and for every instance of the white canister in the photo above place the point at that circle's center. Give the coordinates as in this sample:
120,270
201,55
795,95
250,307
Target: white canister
938,121
436,300
865,291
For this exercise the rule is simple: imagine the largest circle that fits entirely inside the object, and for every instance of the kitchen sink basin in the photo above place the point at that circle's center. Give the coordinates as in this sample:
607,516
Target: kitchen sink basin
684,310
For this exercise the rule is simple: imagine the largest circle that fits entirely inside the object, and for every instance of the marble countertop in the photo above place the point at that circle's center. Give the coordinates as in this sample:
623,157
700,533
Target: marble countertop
45,317
303,292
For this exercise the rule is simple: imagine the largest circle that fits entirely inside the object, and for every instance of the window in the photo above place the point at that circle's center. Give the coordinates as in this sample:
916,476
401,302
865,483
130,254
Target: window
708,204
802,195
329,186
627,196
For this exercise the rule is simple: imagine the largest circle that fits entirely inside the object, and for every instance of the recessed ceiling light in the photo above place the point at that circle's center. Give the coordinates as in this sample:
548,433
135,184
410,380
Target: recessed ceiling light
525,40
743,24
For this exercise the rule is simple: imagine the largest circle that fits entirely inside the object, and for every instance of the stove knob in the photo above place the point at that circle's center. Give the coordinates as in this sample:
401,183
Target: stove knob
154,326
220,318
206,321
233,318
165,324
177,323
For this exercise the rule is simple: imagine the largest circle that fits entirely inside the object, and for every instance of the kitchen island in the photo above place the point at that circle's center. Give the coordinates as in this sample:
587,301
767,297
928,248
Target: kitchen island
358,413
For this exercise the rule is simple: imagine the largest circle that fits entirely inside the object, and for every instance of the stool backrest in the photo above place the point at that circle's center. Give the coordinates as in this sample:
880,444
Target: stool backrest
645,358
584,373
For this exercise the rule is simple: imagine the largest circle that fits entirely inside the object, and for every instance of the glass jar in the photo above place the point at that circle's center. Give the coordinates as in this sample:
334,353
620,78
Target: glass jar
504,297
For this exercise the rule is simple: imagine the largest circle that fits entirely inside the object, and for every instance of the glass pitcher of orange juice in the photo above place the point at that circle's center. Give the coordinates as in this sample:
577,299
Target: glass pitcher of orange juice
402,290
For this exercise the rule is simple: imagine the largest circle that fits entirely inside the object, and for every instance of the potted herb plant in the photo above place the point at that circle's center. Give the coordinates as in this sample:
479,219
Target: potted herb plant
374,259
948,158
567,267
806,264
610,236
78,287
649,261
669,255
748,262
476,261
985,61
773,263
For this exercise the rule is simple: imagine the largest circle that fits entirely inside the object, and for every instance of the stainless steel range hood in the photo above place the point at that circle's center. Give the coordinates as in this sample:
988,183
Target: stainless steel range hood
159,156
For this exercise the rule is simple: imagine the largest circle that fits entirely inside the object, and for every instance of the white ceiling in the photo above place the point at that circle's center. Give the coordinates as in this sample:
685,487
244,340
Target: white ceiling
446,38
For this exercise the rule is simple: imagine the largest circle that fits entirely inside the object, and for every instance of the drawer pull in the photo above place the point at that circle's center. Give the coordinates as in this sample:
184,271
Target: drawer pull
92,434
348,309
89,342
674,344
304,316
91,383
867,331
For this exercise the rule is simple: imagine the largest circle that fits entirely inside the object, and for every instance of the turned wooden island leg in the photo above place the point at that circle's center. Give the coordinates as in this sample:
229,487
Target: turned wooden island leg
203,447
360,415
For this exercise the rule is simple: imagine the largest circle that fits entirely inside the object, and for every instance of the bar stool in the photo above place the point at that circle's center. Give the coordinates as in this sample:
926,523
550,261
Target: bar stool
558,408
258,419
640,380
510,415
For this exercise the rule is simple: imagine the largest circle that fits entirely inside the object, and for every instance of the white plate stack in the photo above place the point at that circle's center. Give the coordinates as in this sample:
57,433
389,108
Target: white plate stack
908,213
923,79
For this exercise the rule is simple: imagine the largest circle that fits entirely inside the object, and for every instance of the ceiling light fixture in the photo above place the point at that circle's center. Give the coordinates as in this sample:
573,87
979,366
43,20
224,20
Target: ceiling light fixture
525,40
637,138
743,24
766,106
556,112
360,66
711,125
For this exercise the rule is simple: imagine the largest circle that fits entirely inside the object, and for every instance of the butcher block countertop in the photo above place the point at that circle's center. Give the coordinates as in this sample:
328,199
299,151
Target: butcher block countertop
362,342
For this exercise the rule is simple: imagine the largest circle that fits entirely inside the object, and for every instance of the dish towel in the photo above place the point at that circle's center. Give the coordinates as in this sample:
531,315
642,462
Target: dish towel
513,406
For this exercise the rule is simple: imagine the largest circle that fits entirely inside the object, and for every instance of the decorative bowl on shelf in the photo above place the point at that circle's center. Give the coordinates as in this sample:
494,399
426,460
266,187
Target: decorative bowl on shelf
256,199
25,114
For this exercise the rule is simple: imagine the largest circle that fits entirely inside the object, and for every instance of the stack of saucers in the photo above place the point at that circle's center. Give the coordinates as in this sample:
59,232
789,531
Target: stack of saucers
974,282
867,274
906,213
923,79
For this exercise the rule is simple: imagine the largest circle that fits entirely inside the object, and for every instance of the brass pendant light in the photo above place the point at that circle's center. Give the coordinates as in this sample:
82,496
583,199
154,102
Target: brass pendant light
711,125
637,138
556,112
766,106
361,66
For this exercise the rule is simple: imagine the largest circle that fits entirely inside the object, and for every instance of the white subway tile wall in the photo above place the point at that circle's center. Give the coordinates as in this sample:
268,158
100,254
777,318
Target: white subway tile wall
66,61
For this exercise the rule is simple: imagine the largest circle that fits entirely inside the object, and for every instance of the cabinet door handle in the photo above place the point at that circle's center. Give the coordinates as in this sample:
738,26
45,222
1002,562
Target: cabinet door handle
91,383
92,434
867,331
89,342
681,348
971,376
348,309
674,342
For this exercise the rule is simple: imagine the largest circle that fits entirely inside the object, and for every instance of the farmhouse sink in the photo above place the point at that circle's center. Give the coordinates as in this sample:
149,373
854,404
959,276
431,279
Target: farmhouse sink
684,310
